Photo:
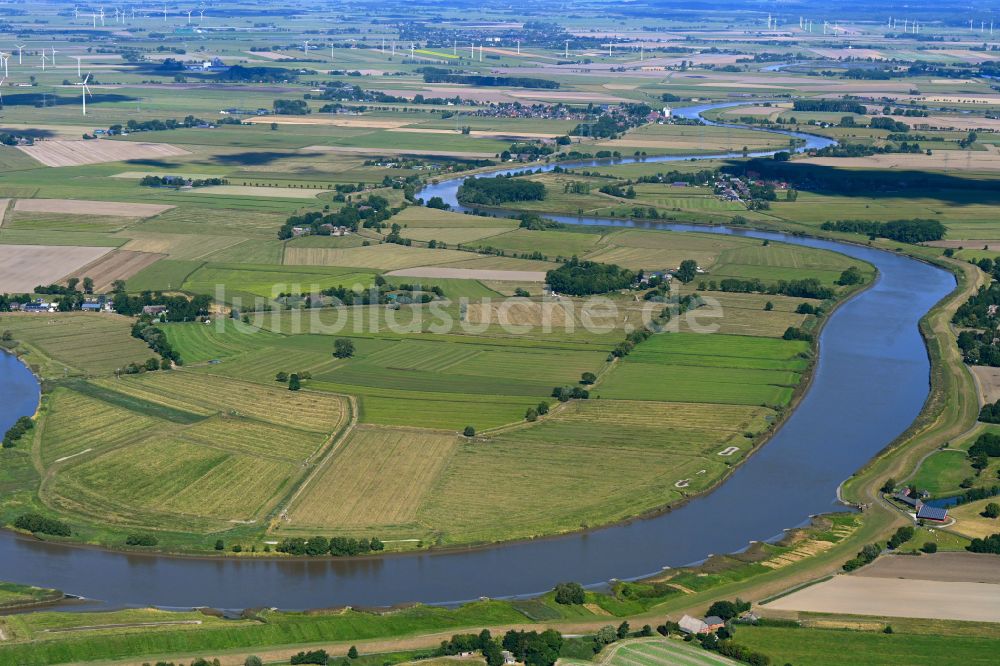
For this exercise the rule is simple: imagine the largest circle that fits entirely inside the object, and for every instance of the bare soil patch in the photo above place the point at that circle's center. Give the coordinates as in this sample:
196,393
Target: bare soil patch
24,267
97,151
117,265
470,274
256,191
895,597
518,312
84,207
988,380
944,567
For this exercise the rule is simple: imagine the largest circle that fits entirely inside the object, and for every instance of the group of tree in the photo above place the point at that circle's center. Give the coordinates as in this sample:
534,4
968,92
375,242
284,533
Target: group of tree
244,74
535,222
337,546
901,536
20,428
567,393
39,524
795,333
319,656
616,190
850,276
569,594
990,544
882,122
582,278
370,213
146,540
865,556
803,288
157,125
177,182
157,340
499,190
917,230
990,412
291,107
830,106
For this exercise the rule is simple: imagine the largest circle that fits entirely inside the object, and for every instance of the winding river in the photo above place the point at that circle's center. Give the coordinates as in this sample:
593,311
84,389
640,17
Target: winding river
870,382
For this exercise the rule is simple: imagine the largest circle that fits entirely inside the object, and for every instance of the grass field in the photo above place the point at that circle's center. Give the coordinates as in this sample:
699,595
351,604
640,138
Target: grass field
75,343
376,481
709,368
163,451
823,647
653,652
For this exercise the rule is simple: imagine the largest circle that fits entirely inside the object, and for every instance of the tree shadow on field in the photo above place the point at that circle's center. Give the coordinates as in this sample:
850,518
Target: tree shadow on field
158,164
257,158
957,190
29,131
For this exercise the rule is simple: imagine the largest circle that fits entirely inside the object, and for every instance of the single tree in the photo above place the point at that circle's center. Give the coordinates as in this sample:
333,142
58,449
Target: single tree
343,348
469,431
293,382
352,653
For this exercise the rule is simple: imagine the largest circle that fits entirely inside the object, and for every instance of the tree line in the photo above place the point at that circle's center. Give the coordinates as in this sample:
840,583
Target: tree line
337,546
916,230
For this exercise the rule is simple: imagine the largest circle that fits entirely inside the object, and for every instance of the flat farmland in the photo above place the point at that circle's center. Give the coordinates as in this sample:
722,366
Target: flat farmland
116,265
85,207
377,479
709,368
267,280
23,267
164,450
85,343
387,256
654,652
918,643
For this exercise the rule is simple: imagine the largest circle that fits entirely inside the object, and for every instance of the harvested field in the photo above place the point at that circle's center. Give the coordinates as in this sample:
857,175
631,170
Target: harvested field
4,205
252,191
470,274
361,150
24,267
988,381
521,312
379,477
894,597
959,122
943,567
84,207
941,160
116,265
76,153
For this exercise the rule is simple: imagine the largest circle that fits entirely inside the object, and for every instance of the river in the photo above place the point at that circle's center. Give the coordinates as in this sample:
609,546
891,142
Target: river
870,382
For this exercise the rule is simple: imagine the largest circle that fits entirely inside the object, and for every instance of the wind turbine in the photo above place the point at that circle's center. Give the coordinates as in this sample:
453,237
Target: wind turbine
189,17
305,47
19,47
201,12
53,58
84,91
102,17
567,49
164,12
5,57
1,91
78,73
43,58
94,16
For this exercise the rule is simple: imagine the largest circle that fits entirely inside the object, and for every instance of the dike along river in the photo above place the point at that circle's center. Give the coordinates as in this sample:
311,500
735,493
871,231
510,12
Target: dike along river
870,382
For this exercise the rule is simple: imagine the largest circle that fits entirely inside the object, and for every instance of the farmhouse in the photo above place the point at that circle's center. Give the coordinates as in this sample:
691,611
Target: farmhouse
153,309
693,625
